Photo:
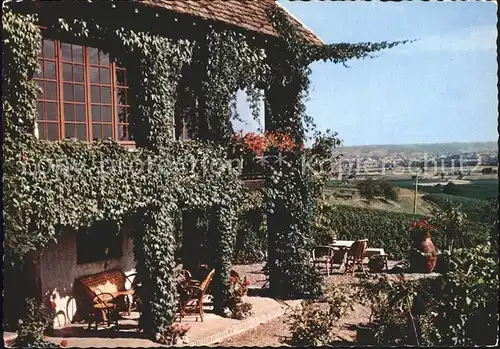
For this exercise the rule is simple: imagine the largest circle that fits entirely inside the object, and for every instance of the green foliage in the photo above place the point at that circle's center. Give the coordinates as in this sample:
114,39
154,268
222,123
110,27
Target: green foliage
291,189
389,230
450,221
174,335
20,47
314,323
251,236
235,307
231,62
370,188
49,186
473,208
324,229
460,308
32,327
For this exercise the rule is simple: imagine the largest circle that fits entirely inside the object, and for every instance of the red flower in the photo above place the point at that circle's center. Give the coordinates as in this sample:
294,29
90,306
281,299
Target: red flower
64,343
247,282
232,279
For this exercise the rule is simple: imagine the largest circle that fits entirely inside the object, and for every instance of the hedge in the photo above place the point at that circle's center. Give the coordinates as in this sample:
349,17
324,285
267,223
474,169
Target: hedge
389,230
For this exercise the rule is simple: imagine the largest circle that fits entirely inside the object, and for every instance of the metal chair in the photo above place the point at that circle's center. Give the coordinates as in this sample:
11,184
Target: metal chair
322,255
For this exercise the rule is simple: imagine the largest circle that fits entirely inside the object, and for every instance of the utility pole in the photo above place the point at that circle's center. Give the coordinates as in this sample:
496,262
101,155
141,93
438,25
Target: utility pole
415,198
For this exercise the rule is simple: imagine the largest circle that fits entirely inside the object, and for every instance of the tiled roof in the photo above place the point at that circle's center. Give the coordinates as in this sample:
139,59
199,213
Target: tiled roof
248,14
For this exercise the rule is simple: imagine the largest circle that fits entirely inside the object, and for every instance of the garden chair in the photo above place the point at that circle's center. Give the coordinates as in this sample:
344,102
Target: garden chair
356,255
322,255
103,295
191,297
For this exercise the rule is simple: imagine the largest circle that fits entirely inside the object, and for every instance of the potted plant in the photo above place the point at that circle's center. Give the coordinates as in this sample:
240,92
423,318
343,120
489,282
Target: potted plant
236,308
376,263
423,253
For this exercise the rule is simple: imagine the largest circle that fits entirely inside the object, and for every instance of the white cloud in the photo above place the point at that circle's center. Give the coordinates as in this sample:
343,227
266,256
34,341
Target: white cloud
472,39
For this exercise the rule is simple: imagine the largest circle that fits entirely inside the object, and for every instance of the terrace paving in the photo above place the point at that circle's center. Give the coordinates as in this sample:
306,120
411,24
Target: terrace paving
214,328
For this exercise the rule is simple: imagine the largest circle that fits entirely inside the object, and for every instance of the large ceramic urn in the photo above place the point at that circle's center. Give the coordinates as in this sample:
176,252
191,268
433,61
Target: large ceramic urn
423,256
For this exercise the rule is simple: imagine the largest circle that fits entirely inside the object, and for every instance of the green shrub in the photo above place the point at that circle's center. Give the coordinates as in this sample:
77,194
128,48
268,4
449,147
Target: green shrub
369,189
460,308
33,325
312,325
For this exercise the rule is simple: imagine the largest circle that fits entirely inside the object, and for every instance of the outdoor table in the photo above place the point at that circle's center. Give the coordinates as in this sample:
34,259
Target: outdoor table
341,246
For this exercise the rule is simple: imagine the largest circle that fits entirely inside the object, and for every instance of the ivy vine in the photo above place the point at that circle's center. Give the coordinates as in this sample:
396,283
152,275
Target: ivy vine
49,186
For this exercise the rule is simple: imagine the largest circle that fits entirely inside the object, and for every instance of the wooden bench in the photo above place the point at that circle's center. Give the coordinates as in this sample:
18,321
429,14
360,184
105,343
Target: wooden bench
104,294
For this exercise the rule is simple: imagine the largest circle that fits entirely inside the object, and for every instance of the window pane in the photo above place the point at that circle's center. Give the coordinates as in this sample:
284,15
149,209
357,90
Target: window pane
94,74
67,72
39,111
96,132
107,131
106,113
66,52
69,114
78,73
121,78
69,130
42,130
51,110
95,94
52,131
122,115
96,113
79,93
103,58
77,53
92,55
51,90
80,112
49,70
105,79
41,89
123,132
48,48
106,95
68,92
81,132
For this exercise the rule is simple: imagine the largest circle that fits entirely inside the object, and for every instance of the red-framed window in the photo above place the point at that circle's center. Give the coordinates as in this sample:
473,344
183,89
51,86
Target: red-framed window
84,94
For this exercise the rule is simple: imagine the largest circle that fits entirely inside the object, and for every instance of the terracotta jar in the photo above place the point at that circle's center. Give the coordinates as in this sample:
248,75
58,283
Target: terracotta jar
420,263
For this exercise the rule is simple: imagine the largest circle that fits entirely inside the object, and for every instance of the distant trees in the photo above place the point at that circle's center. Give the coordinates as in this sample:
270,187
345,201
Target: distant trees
487,170
369,189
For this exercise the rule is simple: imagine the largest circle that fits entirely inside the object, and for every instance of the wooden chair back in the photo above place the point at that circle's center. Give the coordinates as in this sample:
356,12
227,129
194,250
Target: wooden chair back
204,284
358,249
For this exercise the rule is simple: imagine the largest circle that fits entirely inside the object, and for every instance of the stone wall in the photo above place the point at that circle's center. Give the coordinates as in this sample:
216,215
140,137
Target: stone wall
58,270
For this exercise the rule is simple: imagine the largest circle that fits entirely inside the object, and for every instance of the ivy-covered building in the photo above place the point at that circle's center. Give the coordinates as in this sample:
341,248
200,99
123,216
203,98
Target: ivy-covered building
117,120
96,80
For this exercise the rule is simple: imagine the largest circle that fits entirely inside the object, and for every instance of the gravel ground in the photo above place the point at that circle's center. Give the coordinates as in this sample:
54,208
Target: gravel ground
276,332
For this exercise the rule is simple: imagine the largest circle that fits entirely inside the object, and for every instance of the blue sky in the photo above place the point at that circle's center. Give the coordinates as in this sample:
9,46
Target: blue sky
442,88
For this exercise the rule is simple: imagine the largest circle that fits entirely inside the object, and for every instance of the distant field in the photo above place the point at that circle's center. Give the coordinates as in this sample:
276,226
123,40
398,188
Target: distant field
476,189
